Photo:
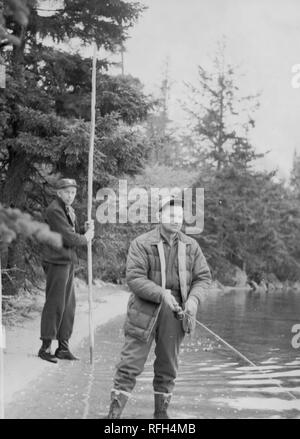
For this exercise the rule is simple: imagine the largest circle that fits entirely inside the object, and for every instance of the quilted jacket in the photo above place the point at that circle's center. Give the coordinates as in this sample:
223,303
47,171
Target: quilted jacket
145,275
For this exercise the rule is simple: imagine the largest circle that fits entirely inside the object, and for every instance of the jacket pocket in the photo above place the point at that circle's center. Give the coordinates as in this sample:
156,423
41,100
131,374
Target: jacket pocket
140,313
130,301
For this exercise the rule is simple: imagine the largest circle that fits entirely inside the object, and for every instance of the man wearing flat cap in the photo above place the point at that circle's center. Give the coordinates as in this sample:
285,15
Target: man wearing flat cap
59,309
165,270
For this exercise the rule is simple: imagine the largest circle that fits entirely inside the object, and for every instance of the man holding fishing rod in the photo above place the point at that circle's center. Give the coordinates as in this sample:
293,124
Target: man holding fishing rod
167,273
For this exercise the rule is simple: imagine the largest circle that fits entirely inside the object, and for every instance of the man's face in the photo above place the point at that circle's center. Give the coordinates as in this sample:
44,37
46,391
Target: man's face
171,218
67,194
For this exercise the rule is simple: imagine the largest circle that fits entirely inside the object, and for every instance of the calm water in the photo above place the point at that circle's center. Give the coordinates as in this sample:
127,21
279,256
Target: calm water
212,382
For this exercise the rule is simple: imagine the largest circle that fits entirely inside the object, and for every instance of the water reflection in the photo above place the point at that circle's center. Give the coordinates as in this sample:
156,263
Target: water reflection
214,383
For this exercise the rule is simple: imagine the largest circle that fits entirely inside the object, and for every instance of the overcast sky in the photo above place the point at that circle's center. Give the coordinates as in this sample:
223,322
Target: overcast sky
263,37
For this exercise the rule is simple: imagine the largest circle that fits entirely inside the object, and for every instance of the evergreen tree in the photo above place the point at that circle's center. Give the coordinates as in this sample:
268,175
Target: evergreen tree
44,123
295,175
17,12
251,221
222,118
164,144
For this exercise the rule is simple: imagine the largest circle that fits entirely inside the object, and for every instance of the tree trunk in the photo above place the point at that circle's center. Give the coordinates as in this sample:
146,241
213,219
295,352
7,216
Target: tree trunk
13,191
13,195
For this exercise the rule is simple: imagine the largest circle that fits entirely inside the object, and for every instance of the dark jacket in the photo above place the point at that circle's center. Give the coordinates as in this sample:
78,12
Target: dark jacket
146,279
58,219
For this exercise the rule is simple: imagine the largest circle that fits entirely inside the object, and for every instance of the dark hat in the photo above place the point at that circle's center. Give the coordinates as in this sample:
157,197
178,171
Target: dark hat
66,182
171,201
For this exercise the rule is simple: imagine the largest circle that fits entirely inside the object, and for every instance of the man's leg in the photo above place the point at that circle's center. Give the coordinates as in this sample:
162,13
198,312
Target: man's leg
56,280
169,335
133,357
67,322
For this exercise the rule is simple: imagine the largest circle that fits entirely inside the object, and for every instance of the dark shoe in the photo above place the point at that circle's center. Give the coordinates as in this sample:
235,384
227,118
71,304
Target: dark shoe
161,404
44,355
65,354
118,401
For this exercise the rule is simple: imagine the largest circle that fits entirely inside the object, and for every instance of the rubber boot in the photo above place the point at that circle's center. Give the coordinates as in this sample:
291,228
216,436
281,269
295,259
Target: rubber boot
161,404
118,402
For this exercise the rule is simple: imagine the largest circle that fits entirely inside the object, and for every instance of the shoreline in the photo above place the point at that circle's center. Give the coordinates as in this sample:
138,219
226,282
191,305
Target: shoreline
21,363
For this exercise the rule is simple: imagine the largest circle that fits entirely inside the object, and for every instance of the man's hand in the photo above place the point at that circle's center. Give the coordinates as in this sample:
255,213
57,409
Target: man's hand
89,225
169,300
90,230
190,310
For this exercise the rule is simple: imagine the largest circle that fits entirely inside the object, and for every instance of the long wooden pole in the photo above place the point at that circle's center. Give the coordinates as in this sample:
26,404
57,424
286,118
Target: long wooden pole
90,201
2,346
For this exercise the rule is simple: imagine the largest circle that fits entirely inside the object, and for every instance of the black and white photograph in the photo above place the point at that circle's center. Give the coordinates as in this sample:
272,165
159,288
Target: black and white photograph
149,212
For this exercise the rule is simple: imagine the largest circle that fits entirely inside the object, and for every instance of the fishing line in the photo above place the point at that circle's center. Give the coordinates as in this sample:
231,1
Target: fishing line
239,354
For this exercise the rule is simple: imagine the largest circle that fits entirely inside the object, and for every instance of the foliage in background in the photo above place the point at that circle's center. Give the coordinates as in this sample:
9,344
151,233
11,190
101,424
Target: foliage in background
253,222
251,218
13,223
295,176
221,116
16,11
45,111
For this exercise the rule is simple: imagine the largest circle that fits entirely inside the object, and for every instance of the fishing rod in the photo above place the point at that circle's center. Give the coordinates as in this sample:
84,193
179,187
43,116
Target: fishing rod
180,313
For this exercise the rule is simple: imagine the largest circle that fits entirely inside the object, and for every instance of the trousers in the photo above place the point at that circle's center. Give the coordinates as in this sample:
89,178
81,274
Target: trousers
168,335
59,309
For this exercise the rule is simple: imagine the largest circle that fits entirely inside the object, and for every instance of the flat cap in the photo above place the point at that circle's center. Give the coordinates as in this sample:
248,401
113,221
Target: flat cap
171,200
66,182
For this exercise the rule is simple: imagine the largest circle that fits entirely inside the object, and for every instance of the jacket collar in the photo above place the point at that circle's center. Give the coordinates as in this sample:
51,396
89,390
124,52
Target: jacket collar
154,236
65,209
60,202
166,238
